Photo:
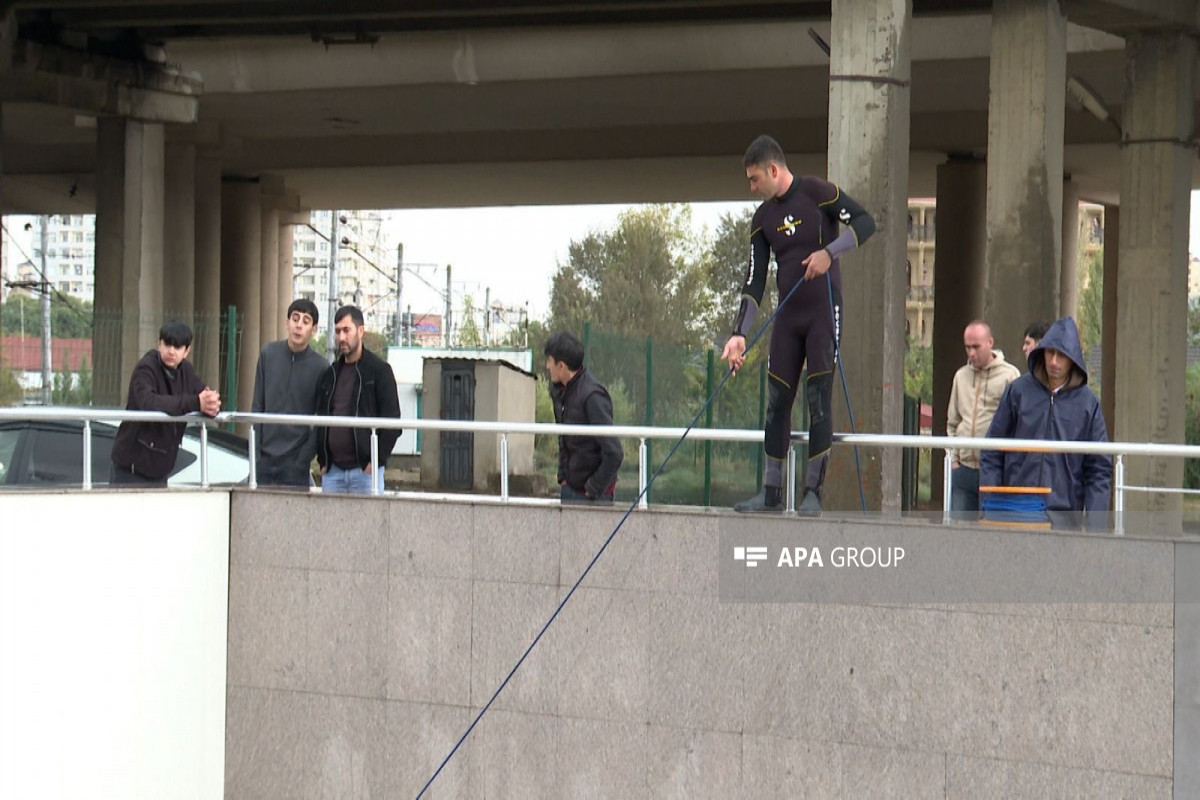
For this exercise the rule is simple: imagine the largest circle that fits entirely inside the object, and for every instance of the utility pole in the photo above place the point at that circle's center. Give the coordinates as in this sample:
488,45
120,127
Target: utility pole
487,317
446,322
399,294
46,349
330,337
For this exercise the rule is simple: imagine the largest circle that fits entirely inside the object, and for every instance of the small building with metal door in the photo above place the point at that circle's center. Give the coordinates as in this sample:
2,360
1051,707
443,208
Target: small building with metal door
474,389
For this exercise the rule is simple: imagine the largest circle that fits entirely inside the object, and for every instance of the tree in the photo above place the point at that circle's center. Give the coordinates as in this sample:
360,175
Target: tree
918,372
69,318
645,278
469,334
1091,302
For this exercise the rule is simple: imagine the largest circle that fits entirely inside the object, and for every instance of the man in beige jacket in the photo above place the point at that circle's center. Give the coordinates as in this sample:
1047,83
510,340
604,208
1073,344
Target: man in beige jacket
974,396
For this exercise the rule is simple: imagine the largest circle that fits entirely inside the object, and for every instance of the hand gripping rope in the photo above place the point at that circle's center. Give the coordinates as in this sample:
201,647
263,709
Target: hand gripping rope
604,546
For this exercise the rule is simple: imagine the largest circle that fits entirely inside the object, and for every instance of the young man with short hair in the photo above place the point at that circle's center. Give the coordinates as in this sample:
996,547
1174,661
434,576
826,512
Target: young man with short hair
801,221
144,453
358,384
587,465
286,383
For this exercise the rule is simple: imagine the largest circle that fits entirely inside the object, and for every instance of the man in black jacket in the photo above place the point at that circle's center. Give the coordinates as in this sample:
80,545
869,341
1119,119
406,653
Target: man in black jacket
358,384
587,465
144,453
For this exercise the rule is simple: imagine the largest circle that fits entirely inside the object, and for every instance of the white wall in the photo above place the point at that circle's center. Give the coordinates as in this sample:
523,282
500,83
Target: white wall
113,628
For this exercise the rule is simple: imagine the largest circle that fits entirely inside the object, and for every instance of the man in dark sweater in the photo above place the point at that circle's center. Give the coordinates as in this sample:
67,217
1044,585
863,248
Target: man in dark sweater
144,453
286,383
358,384
587,465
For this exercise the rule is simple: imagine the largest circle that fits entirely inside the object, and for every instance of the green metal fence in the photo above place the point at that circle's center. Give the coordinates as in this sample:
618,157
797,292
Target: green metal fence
216,340
655,383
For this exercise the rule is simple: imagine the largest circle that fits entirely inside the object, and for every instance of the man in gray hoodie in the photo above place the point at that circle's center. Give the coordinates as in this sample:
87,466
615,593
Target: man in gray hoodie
286,383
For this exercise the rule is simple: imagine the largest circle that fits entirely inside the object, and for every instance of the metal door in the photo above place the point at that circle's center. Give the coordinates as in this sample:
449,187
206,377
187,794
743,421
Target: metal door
458,402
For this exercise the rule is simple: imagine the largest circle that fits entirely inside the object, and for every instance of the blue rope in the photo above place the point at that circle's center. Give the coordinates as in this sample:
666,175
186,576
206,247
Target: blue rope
837,351
603,547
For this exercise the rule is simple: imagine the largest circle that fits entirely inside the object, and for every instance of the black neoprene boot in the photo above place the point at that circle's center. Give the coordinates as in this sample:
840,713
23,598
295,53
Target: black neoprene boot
768,501
810,506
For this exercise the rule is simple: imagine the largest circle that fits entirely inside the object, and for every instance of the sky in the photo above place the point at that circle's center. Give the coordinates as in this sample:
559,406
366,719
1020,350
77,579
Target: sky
513,250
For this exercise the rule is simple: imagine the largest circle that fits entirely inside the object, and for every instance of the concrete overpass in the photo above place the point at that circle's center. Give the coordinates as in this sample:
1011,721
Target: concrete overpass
200,132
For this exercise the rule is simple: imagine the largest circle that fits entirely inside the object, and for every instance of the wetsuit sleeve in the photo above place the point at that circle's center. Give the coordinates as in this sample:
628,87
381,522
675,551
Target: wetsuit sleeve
844,209
756,283
1097,476
991,462
599,412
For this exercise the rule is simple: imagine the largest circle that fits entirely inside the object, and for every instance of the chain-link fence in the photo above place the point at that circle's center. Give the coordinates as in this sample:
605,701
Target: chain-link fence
665,385
216,340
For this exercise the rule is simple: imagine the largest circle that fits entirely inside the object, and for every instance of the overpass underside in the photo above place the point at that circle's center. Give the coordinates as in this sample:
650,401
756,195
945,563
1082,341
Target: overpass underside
364,635
202,133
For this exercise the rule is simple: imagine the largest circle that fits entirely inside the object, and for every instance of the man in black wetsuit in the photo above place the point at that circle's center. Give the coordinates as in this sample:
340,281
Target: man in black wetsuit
799,222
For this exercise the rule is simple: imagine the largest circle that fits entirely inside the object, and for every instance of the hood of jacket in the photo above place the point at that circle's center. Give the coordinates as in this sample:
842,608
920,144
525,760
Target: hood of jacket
1063,336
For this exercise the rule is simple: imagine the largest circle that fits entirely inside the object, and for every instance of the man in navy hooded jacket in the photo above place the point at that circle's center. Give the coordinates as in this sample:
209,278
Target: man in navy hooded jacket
1053,401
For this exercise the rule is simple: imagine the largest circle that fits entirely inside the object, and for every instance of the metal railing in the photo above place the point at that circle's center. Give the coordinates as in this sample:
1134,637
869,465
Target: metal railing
642,433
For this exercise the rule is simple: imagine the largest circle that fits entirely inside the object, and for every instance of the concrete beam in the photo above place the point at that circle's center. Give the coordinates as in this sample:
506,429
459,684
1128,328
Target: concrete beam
1123,17
96,85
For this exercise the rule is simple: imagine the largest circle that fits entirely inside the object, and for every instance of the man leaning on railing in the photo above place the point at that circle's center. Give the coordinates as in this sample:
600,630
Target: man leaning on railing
1053,402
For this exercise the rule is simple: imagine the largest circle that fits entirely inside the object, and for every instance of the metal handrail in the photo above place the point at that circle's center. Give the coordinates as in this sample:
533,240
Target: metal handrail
641,432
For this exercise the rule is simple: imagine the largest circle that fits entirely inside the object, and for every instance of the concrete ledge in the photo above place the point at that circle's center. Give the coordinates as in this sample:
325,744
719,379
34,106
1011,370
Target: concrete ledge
648,684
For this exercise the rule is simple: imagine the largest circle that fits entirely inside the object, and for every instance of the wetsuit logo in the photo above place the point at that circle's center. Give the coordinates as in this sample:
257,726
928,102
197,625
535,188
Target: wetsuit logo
844,216
789,225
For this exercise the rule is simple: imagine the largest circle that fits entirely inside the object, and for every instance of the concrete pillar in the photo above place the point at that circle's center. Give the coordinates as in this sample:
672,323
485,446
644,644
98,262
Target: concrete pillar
1108,328
868,159
271,322
179,235
1025,160
241,275
958,280
129,251
1156,170
206,354
1068,282
286,250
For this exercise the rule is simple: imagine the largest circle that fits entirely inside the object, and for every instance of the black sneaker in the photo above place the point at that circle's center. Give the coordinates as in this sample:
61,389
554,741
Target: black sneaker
810,506
768,501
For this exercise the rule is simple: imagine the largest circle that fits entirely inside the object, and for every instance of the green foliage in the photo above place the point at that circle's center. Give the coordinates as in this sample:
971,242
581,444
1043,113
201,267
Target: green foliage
644,278
918,372
69,318
70,389
469,334
725,270
1091,302
1191,430
10,390
1194,321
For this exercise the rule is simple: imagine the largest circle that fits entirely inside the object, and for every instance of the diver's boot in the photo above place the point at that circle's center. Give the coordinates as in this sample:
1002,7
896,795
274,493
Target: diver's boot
810,506
768,501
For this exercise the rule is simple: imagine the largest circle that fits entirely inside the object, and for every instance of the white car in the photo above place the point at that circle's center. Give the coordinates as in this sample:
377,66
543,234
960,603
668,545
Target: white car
36,453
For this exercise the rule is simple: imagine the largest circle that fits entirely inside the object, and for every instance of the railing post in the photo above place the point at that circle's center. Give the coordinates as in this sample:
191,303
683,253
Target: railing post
251,440
87,454
947,484
203,456
791,478
504,467
376,483
642,476
1119,497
